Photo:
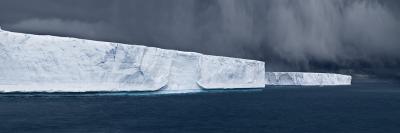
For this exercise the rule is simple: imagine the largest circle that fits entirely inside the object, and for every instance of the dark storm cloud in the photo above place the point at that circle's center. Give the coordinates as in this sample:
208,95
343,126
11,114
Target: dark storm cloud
58,26
360,36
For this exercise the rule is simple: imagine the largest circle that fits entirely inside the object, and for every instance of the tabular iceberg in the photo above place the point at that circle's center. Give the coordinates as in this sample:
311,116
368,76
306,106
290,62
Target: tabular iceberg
38,63
306,79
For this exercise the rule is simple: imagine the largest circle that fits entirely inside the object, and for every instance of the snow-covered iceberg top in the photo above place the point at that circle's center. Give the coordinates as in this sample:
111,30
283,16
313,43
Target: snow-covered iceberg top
41,63
306,79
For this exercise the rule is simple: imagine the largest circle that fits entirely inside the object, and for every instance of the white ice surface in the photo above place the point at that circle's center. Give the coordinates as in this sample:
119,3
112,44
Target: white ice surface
224,72
306,79
39,63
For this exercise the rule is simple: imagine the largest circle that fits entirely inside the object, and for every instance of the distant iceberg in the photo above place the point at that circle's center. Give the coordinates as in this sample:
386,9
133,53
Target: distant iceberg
42,63
306,79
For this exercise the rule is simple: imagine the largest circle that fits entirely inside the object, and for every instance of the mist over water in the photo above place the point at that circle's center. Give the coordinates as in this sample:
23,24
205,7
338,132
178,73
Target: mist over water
345,36
299,33
338,31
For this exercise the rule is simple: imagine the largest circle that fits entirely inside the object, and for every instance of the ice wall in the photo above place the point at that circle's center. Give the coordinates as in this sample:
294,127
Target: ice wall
306,79
224,72
38,63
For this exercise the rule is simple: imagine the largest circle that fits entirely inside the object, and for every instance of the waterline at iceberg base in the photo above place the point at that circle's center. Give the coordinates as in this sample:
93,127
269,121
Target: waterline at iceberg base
41,63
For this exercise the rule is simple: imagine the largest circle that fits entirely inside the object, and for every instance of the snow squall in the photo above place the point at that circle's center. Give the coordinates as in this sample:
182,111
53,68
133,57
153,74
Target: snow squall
42,63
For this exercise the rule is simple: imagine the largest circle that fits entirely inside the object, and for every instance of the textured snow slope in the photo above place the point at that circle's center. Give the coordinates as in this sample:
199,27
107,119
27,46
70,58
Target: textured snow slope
37,63
306,79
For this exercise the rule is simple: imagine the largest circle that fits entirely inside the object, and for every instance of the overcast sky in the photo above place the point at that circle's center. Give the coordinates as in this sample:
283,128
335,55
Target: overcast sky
345,36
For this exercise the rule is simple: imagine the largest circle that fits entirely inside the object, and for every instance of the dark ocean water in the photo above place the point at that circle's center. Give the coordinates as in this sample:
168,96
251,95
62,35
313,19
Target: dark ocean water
360,108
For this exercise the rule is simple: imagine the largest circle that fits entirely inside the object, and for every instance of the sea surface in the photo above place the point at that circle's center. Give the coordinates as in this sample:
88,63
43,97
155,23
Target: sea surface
360,108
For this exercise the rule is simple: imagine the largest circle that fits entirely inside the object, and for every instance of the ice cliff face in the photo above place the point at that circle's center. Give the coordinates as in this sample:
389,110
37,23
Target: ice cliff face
37,63
306,79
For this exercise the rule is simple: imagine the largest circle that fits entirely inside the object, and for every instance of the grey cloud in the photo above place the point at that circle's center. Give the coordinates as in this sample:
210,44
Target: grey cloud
66,27
58,26
348,34
332,30
290,35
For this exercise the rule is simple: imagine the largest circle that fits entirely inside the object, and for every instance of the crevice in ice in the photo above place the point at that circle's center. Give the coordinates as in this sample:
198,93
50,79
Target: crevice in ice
26,38
109,56
286,79
141,61
115,51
